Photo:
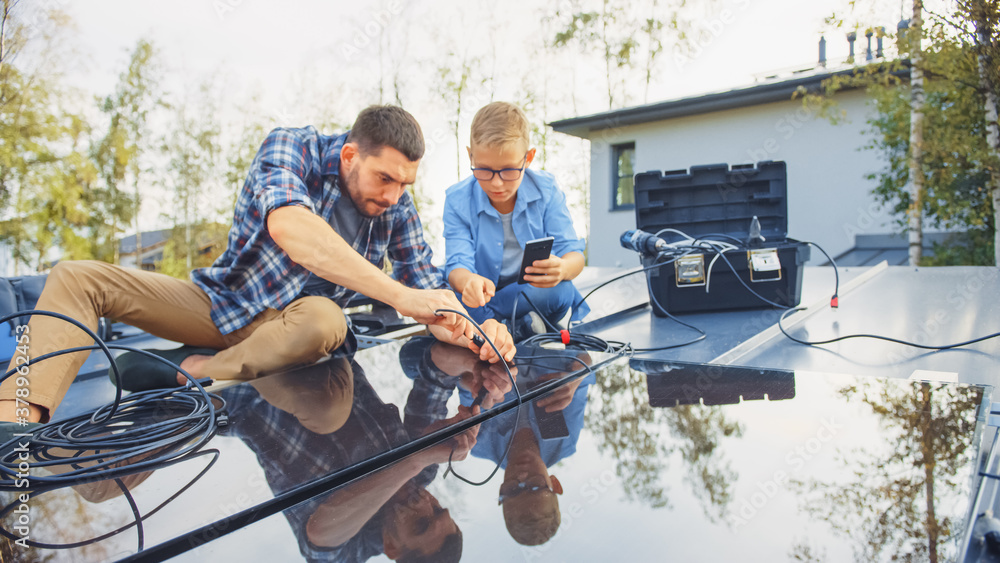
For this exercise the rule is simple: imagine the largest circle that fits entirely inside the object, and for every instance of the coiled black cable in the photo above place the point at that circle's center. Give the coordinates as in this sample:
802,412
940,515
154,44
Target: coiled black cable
159,426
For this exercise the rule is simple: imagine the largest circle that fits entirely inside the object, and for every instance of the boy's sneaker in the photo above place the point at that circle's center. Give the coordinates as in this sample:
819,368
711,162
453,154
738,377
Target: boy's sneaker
529,325
536,323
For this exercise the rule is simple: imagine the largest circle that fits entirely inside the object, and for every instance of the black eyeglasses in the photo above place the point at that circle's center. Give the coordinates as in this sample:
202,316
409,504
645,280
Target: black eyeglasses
533,483
506,174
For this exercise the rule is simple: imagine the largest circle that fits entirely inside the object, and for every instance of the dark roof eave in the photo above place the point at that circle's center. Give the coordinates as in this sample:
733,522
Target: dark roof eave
717,101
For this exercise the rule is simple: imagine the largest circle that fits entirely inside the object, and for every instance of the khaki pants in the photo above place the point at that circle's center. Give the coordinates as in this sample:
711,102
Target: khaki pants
305,331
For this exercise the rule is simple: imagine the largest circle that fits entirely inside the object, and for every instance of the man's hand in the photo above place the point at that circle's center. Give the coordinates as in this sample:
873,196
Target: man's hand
491,377
477,291
560,398
459,446
497,333
421,304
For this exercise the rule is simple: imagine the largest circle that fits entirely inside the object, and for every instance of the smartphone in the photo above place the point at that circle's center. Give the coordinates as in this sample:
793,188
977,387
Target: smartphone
551,425
538,249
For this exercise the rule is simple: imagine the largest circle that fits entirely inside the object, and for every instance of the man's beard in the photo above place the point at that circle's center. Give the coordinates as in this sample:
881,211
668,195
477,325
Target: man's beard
351,187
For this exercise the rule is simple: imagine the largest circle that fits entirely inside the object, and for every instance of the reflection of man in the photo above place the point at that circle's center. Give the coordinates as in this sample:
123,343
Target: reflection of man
297,250
444,367
316,420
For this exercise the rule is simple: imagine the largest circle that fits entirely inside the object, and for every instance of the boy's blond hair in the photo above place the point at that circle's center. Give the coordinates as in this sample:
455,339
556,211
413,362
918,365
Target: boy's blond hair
500,125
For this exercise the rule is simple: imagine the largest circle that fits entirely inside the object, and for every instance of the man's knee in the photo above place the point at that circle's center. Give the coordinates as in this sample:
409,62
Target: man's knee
77,274
326,326
338,397
67,273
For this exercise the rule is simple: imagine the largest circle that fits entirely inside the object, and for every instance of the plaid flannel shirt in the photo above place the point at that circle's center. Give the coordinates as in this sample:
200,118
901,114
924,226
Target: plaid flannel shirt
291,455
301,167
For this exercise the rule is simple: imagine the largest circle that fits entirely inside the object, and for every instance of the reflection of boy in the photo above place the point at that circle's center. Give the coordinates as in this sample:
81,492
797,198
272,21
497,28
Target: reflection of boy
528,493
489,216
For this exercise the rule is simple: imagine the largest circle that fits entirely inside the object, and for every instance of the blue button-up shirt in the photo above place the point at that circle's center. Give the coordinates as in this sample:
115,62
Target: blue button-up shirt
301,167
473,232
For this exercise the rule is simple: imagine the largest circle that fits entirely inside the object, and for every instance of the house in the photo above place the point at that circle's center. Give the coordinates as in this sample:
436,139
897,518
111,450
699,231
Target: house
154,243
829,198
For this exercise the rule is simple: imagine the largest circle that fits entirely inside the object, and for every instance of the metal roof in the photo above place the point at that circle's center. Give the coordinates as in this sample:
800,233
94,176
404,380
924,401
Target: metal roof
777,90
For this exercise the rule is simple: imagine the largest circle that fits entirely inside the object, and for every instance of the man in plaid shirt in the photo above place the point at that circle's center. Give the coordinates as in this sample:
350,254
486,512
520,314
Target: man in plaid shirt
297,252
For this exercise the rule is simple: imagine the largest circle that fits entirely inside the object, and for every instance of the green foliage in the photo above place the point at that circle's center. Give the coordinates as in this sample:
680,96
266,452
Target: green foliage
179,258
192,174
958,164
630,431
628,37
888,508
43,172
117,154
458,76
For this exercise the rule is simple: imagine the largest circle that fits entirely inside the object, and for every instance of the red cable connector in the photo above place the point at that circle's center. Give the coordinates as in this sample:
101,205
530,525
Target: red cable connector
834,302
564,335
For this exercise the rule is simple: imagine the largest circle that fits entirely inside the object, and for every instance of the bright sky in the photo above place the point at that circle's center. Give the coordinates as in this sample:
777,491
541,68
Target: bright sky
326,47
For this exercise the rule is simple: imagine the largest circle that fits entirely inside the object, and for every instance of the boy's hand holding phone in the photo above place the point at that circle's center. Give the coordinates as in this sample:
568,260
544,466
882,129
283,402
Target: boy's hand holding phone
546,273
536,251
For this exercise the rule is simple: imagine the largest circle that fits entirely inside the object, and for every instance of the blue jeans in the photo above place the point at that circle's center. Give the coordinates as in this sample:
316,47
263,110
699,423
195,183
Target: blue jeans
552,302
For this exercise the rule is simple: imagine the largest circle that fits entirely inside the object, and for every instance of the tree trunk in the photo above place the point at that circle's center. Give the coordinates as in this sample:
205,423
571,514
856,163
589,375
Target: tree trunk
915,212
138,229
607,55
929,463
983,38
4,15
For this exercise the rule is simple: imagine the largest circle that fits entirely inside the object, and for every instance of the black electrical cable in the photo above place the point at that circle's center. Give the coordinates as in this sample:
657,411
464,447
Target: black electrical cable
595,344
877,337
549,324
140,518
627,274
513,383
700,337
81,326
578,340
836,271
790,310
115,427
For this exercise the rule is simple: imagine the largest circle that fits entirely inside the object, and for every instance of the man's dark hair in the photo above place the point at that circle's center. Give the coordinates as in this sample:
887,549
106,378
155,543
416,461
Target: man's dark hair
387,126
451,550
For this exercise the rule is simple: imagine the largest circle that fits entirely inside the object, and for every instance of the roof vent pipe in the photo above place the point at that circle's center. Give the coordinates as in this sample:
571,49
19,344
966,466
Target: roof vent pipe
822,51
851,38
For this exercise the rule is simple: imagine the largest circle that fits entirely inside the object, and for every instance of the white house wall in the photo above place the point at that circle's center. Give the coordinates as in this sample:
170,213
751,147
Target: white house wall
829,199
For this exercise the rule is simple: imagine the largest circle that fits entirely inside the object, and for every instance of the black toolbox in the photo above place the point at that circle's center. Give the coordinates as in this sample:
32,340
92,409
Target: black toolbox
721,203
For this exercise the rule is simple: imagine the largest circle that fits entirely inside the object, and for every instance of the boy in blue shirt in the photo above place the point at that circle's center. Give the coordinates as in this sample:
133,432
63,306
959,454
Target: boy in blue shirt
488,218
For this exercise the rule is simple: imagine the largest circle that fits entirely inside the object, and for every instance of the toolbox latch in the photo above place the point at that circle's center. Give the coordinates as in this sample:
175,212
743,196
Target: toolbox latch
765,264
689,271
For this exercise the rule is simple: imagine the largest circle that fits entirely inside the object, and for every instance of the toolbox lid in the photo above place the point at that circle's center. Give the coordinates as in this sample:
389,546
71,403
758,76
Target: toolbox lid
715,199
